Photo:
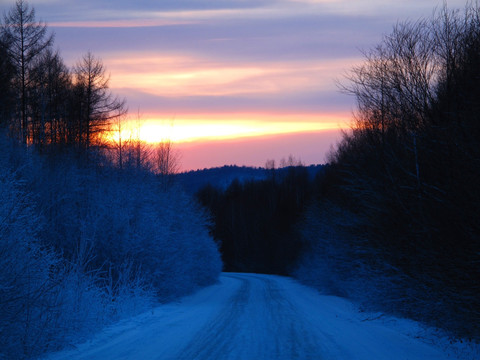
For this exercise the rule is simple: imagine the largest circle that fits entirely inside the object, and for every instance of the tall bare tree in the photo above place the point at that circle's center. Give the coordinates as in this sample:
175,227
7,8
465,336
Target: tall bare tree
120,143
97,107
166,162
411,163
6,77
27,40
51,89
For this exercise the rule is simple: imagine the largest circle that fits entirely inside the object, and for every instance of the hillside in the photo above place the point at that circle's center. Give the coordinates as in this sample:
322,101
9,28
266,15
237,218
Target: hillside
222,177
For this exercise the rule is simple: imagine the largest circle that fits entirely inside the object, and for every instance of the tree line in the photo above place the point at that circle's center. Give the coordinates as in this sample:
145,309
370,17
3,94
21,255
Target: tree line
254,220
408,172
44,102
392,220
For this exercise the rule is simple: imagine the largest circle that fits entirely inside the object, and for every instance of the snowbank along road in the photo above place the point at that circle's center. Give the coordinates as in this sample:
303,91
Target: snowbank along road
253,317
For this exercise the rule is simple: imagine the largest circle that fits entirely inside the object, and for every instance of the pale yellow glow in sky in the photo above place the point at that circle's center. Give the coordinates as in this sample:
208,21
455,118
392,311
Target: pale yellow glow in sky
230,69
183,132
179,76
154,130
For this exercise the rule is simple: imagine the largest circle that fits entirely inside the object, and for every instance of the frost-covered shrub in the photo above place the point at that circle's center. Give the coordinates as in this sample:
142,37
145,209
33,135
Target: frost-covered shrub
326,262
127,217
130,293
163,233
83,246
179,253
339,260
26,274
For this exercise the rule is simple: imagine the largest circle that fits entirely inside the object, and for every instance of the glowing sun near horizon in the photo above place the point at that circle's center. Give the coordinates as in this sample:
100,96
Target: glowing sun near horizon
186,130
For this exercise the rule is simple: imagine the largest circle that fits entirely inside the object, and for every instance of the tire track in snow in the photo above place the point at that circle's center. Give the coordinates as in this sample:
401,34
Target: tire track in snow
259,323
213,340
294,339
254,317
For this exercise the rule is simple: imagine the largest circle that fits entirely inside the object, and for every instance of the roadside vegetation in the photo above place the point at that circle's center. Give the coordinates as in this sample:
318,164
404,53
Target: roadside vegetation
392,221
92,228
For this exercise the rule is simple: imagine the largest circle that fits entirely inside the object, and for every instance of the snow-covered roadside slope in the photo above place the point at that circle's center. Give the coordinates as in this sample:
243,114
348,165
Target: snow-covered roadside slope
251,316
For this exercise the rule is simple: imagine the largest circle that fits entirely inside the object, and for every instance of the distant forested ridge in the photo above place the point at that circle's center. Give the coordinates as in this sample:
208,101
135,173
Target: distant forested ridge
393,219
222,177
92,228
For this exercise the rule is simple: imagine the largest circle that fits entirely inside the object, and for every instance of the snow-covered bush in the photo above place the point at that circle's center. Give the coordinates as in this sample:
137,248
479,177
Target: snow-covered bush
83,246
25,273
162,233
129,219
339,260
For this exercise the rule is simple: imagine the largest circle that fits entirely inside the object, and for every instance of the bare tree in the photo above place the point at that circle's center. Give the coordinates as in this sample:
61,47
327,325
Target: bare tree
270,168
139,152
121,143
411,161
52,84
27,40
97,107
290,161
166,162
6,77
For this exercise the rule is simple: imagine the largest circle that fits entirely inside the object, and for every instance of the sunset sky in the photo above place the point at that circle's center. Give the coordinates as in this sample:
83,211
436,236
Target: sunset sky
230,81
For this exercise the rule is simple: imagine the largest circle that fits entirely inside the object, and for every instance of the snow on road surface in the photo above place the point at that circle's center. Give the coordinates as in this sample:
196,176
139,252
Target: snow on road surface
253,317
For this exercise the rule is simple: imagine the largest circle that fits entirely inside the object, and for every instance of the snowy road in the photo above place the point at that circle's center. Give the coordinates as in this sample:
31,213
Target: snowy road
253,317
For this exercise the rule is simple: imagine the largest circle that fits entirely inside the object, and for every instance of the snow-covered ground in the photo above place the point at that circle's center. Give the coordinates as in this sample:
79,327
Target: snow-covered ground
251,316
